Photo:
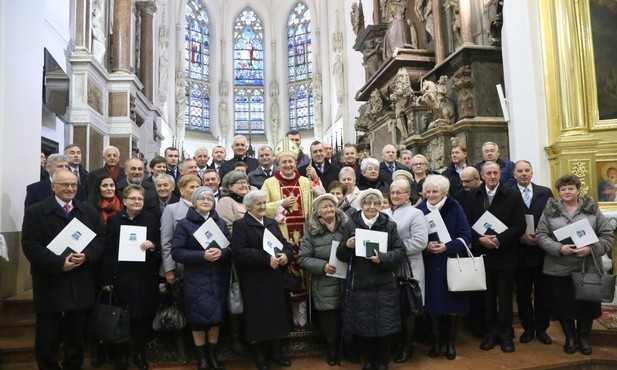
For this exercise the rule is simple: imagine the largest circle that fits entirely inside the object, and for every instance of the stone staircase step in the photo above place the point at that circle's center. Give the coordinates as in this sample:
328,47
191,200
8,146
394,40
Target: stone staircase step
17,325
20,303
17,349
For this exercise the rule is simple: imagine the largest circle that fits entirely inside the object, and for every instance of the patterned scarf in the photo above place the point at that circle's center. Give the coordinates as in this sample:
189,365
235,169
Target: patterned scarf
109,208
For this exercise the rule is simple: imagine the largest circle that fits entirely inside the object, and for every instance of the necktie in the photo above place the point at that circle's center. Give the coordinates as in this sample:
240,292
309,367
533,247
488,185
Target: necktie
67,209
526,197
267,172
391,167
76,172
320,168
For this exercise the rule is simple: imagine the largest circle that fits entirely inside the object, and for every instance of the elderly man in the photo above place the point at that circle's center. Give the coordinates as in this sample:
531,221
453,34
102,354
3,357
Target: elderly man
38,191
134,170
201,157
73,153
500,252
240,146
111,157
63,287
458,157
320,168
164,186
490,152
389,164
534,314
266,168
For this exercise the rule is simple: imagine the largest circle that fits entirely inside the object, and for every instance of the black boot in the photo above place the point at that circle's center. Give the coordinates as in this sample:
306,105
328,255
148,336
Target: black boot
452,324
584,330
277,354
235,329
98,354
333,354
261,359
567,326
183,356
350,351
202,361
436,322
213,359
405,347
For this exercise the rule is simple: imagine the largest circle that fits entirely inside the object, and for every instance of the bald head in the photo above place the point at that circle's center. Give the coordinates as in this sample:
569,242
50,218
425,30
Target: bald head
470,178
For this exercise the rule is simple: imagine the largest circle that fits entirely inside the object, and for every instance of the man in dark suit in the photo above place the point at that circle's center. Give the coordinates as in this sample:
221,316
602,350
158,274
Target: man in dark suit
534,315
320,167
266,168
73,153
500,252
134,174
240,146
458,156
40,190
111,157
163,196
389,164
218,157
213,181
172,157
490,152
63,286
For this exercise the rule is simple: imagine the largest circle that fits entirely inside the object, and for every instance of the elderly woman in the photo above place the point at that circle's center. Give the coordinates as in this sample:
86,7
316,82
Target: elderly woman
340,191
442,306
372,310
370,176
136,283
266,303
234,187
575,316
413,231
206,277
325,225
347,177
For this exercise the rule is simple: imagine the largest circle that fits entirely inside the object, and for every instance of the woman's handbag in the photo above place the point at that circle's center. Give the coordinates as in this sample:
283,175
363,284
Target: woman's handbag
292,280
410,294
170,314
465,274
593,286
234,299
108,322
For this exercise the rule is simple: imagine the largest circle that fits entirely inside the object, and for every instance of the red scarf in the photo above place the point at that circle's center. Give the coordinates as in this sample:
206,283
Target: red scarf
109,208
113,172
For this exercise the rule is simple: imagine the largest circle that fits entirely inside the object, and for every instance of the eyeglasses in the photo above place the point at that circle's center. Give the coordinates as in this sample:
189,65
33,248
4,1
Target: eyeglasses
397,193
375,204
468,181
204,199
418,164
135,199
66,185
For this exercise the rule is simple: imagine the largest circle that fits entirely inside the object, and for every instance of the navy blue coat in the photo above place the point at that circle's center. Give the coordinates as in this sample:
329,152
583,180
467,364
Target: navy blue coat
205,283
438,300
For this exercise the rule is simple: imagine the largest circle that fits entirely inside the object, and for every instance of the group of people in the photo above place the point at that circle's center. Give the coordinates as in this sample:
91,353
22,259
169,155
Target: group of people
312,207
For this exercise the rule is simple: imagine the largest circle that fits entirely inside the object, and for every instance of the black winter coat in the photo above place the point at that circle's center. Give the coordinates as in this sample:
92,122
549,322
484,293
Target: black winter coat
53,289
372,299
266,303
205,283
136,284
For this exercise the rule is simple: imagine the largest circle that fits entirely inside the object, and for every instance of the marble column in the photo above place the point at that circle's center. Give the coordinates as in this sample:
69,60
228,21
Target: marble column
146,63
465,18
121,47
440,47
82,24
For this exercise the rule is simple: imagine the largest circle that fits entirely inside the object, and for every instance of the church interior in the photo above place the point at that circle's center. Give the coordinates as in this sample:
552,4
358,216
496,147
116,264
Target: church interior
537,77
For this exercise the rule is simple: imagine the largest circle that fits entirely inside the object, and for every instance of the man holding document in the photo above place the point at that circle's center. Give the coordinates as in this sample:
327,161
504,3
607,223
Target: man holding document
498,218
62,281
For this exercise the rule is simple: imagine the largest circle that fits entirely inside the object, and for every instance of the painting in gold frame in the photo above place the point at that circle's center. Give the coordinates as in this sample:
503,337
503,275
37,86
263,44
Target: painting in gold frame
606,178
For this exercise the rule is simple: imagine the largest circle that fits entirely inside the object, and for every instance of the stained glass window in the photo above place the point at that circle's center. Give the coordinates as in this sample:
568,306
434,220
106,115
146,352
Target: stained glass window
248,67
197,66
300,68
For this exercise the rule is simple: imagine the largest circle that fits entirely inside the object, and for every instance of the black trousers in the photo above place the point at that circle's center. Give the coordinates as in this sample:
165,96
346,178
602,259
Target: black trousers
60,327
498,303
330,324
376,350
535,315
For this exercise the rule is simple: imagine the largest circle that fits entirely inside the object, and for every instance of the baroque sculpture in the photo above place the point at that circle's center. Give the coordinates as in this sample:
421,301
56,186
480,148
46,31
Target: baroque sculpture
398,34
372,56
401,92
99,37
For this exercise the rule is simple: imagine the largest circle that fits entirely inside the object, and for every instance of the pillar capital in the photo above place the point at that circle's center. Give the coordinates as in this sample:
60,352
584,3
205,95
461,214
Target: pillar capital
146,7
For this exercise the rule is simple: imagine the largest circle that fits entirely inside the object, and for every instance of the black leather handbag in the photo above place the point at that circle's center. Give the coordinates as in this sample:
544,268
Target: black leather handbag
593,286
170,314
410,293
109,322
292,280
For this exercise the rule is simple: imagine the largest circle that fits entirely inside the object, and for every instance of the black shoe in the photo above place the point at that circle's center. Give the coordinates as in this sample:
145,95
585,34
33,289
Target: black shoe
527,336
487,344
507,346
404,353
332,358
202,358
543,337
368,366
569,346
584,347
213,359
450,351
140,361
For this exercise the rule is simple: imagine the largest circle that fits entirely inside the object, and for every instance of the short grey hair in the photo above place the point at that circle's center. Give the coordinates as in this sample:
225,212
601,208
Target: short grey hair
55,158
403,184
264,147
366,162
185,162
167,177
231,178
111,147
346,171
406,151
383,150
239,137
57,174
490,143
438,181
252,196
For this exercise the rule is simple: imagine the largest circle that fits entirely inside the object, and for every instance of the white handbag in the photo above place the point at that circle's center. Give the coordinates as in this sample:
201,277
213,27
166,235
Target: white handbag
466,274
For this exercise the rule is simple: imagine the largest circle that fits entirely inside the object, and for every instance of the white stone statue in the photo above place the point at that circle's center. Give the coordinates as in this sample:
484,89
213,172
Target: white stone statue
163,62
99,36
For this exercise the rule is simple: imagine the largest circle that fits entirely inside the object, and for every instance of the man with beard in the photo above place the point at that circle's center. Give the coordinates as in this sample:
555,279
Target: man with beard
134,170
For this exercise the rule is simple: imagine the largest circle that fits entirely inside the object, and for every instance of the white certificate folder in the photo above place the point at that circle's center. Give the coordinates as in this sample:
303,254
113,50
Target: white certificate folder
580,233
131,238
437,230
341,267
368,241
74,238
209,235
271,244
488,224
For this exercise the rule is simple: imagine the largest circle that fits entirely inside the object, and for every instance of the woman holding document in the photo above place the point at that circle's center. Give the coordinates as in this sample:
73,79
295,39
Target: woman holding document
206,276
413,231
266,303
443,306
372,309
563,257
130,267
325,225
